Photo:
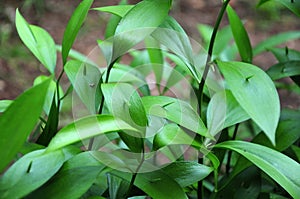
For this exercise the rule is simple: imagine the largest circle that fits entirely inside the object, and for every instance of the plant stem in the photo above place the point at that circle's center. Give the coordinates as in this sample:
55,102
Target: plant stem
230,152
102,100
200,190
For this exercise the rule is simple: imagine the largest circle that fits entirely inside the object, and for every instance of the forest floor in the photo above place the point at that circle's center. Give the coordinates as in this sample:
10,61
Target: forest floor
18,67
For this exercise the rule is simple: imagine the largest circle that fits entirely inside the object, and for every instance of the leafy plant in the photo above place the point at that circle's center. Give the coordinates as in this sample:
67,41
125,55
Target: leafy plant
225,136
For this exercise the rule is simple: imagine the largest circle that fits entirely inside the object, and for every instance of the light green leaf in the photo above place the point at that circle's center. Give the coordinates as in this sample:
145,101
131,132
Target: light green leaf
278,166
85,79
275,40
175,110
294,6
224,111
138,23
119,10
285,54
80,168
73,26
19,119
240,35
187,173
4,104
39,42
30,172
255,92
86,128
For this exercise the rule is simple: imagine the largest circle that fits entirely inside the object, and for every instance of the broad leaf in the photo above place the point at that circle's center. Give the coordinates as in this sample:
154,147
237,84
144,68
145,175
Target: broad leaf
294,6
255,92
284,69
19,119
175,110
39,42
285,54
80,168
278,166
275,40
30,172
187,173
4,104
85,79
240,35
73,26
86,128
117,186
138,23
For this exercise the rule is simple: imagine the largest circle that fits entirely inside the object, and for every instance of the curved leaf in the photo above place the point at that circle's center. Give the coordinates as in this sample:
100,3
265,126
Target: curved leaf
284,69
18,120
240,35
30,172
4,104
73,27
86,128
294,6
119,10
175,110
281,168
255,92
39,42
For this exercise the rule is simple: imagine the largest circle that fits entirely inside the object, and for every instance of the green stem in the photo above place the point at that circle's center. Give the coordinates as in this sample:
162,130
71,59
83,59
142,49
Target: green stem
230,152
200,190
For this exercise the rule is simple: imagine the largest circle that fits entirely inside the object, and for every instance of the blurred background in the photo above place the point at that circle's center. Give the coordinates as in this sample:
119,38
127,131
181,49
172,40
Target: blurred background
18,67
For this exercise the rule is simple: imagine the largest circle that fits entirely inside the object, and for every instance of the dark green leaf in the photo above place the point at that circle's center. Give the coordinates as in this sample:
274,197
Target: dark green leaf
255,92
285,54
278,166
74,24
19,119
294,6
30,172
86,128
240,35
187,173
275,40
284,69
296,151
117,186
39,42
76,176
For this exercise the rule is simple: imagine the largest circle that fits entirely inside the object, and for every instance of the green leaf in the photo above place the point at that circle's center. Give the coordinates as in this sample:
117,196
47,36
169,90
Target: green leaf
19,119
86,128
73,26
255,92
294,6
4,104
119,10
175,110
156,184
138,23
284,69
76,176
278,166
240,35
296,151
275,40
39,42
117,186
285,54
224,111
85,79
187,173
30,172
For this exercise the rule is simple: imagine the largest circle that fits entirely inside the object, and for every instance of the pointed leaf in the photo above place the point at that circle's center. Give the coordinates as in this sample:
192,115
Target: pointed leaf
19,119
74,24
240,35
278,166
39,42
86,128
4,104
284,69
30,172
294,6
117,186
119,10
255,92
285,54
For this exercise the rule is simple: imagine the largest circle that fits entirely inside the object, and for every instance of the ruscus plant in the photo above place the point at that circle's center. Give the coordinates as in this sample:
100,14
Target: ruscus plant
158,115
